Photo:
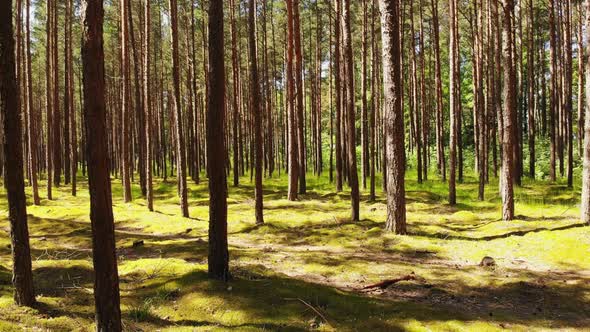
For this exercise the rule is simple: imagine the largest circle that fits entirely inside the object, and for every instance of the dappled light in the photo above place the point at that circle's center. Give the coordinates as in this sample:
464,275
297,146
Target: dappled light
310,250
294,165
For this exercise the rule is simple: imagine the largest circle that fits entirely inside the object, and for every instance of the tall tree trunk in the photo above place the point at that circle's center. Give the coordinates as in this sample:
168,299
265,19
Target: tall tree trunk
300,107
32,142
531,89
22,276
440,149
490,92
268,141
458,107
73,139
56,124
519,93
126,104
350,112
586,172
338,93
18,60
180,148
568,103
255,100
197,109
581,79
415,101
139,114
394,117
147,106
374,100
190,103
364,116
423,108
508,165
318,91
560,100
498,81
68,102
331,101
553,91
235,96
479,102
292,146
454,85
48,99
106,282
218,252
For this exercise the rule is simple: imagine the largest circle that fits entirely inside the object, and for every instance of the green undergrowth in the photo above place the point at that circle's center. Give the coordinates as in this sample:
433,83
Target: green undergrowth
302,270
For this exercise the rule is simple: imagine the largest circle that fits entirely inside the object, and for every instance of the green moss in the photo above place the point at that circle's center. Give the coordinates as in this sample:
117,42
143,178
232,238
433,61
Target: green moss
309,251
464,216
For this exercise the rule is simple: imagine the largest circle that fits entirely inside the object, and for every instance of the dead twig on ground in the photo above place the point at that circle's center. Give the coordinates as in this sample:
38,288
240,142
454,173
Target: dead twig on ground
388,282
317,311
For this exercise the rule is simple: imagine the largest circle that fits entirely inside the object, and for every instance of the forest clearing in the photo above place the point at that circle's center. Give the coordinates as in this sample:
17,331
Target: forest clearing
310,251
295,165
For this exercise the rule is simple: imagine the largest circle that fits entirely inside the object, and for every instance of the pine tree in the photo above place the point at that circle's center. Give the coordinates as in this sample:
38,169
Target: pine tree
256,110
216,161
453,100
509,114
394,117
179,134
147,105
586,172
292,131
106,282
22,276
351,130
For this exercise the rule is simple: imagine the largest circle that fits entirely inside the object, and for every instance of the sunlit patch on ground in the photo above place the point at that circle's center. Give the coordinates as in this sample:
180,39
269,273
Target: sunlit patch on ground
304,268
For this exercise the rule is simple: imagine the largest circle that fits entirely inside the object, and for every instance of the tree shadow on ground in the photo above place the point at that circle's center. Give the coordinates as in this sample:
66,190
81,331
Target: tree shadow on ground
447,236
558,298
273,300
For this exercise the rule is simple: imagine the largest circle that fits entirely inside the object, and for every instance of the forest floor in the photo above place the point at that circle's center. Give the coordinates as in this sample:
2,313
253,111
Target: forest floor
304,269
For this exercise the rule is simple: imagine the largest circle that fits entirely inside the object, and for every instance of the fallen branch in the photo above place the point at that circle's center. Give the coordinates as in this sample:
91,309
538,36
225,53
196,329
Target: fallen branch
386,283
310,307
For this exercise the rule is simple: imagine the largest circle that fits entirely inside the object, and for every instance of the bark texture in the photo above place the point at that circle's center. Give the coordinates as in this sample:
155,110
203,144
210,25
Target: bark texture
106,279
394,117
22,276
216,158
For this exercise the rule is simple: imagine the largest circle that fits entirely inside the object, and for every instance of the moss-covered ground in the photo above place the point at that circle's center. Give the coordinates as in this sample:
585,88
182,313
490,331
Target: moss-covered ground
303,269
